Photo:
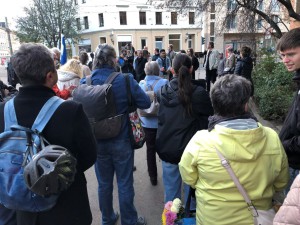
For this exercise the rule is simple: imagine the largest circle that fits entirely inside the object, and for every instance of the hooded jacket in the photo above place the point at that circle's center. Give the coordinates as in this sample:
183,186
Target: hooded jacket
244,67
67,79
289,212
258,160
175,127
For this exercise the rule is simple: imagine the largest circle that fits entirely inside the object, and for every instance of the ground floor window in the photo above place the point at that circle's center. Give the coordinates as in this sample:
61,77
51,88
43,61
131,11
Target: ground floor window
174,39
159,42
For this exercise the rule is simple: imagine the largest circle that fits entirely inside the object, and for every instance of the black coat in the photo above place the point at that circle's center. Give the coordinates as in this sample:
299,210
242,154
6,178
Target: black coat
244,67
140,68
290,131
175,127
68,127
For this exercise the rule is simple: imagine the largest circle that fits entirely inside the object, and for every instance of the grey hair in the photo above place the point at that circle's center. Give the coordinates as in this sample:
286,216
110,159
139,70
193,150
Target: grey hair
152,68
32,62
229,95
104,55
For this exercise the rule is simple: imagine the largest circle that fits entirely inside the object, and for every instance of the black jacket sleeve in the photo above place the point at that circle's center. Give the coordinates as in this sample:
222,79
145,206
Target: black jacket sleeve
238,68
85,141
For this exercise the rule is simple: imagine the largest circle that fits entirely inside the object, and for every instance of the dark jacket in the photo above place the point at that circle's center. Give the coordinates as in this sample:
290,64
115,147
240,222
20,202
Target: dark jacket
139,68
290,131
244,67
175,127
195,63
68,127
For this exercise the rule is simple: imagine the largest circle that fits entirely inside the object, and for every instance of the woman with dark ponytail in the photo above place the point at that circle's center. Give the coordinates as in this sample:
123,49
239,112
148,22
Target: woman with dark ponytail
184,109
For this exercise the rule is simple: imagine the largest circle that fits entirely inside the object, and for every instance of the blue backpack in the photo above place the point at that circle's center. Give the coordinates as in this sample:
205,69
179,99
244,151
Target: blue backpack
14,156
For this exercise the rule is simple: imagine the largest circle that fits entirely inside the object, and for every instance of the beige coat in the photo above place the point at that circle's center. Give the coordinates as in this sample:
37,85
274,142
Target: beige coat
289,212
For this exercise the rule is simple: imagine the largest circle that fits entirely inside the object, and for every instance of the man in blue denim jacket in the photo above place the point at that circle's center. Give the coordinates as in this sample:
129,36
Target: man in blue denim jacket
115,155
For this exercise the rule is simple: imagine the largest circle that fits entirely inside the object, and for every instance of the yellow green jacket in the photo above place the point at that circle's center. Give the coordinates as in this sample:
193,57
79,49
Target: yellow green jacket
258,160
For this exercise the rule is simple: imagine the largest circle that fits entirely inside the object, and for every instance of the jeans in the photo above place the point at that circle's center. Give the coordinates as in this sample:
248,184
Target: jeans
293,174
172,184
115,157
150,136
211,76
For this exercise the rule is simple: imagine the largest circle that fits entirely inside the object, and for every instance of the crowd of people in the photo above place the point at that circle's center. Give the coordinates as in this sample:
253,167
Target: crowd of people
198,122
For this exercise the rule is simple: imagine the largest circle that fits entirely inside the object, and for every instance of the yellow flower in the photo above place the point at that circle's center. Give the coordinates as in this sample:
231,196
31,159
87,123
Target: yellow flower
163,217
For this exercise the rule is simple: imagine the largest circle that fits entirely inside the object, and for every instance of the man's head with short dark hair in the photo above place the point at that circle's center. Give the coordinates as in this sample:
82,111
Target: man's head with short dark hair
289,40
229,95
32,62
289,49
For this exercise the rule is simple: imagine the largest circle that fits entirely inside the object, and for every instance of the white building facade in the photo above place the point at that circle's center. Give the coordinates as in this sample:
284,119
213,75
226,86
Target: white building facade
118,23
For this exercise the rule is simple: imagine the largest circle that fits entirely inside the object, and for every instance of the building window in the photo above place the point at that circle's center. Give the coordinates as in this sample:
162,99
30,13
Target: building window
174,39
274,6
76,2
275,18
78,24
143,43
86,22
212,7
260,5
173,17
83,1
123,18
231,23
212,39
212,16
259,22
191,18
158,17
159,42
102,40
212,28
231,5
101,20
142,18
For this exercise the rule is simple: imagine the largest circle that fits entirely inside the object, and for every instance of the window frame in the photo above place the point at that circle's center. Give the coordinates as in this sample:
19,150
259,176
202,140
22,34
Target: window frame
174,18
143,18
191,18
123,17
101,19
86,22
158,18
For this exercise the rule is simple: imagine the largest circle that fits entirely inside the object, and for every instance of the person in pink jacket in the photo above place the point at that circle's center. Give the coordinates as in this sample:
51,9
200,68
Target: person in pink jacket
289,212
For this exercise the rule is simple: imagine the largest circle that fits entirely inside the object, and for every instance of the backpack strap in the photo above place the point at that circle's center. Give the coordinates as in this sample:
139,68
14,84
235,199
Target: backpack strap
111,77
41,120
10,117
46,113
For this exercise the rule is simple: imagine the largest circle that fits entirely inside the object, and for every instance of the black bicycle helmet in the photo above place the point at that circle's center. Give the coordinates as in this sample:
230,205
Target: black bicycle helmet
51,171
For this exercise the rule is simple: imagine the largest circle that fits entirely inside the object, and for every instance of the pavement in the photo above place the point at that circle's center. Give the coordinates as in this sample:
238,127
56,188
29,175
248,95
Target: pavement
148,198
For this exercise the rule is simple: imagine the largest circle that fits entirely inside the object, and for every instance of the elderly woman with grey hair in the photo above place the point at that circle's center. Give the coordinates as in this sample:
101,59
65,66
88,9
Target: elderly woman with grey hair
152,82
254,152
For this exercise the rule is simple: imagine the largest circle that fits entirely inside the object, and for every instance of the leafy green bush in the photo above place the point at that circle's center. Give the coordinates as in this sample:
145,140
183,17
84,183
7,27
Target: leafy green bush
273,87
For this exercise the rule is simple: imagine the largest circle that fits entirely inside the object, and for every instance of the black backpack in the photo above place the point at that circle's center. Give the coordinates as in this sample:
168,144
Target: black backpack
99,105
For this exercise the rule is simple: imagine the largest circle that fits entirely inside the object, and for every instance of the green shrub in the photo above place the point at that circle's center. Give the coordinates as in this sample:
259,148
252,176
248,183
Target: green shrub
273,87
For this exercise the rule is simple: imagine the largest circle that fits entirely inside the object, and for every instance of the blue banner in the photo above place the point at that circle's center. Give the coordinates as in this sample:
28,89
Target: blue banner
63,50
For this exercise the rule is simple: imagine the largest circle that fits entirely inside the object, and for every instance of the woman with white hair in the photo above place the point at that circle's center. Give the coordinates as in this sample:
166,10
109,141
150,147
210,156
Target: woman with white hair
150,123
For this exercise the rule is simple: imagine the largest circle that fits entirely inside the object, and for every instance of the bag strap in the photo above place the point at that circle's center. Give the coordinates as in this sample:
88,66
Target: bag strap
10,117
111,77
88,80
42,118
226,165
46,113
153,85
128,90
